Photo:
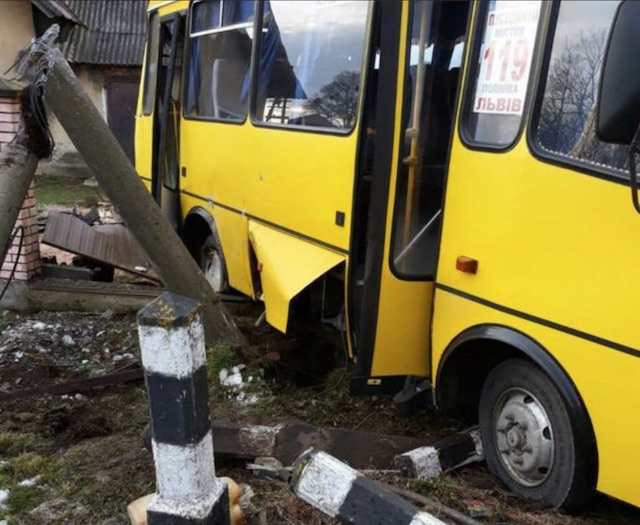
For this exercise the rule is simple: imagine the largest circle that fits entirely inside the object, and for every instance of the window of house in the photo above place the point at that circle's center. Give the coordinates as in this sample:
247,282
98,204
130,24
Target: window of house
566,119
501,68
220,44
151,65
310,63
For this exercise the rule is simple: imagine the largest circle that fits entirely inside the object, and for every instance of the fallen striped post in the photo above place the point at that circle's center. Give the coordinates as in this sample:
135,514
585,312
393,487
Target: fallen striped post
447,454
343,493
174,360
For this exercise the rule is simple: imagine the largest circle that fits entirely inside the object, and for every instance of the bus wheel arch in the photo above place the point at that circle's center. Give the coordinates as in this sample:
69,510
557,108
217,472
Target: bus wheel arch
201,238
477,365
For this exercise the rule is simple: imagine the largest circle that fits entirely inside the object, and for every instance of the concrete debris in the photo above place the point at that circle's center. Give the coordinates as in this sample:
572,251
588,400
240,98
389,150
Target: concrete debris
247,506
236,385
67,340
270,468
447,454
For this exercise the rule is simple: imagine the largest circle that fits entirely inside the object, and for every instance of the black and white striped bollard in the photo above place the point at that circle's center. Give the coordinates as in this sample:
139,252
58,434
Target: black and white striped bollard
447,454
175,366
343,493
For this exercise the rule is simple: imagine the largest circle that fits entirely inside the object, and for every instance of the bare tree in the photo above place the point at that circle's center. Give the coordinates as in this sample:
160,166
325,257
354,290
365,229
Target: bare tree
338,100
568,115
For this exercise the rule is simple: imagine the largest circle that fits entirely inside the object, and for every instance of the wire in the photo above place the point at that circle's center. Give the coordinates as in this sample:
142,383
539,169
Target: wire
15,263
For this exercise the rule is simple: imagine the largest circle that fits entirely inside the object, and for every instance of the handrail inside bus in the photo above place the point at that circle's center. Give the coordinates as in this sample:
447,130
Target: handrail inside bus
413,242
415,125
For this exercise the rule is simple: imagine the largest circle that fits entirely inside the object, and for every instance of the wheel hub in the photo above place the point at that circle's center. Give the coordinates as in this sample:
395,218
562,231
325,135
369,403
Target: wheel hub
523,437
213,269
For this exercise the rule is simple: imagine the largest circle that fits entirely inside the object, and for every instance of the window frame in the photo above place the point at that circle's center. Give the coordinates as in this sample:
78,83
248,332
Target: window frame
472,70
294,127
537,150
187,62
150,91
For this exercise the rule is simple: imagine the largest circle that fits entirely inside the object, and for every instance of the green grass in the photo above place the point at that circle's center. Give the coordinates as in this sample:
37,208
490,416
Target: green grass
13,444
24,499
220,356
64,190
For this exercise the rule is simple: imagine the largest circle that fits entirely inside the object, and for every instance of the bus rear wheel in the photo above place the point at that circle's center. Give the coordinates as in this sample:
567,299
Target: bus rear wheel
529,437
212,265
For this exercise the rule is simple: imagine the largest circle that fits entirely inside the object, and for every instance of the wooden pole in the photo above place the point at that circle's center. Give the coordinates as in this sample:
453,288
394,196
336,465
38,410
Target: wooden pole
117,177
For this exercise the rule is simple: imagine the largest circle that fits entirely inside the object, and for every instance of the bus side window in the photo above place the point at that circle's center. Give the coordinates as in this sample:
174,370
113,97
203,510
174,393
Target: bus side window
500,69
310,62
219,59
566,119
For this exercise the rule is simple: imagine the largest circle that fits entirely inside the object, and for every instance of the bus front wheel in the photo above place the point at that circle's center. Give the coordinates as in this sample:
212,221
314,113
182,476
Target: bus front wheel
212,265
529,438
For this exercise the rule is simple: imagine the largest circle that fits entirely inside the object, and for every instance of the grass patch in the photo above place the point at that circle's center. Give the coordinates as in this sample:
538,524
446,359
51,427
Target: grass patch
65,190
13,444
24,499
102,476
220,356
27,465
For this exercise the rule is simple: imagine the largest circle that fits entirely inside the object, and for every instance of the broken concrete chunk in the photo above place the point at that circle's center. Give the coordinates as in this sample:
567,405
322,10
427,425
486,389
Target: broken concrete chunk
447,454
343,493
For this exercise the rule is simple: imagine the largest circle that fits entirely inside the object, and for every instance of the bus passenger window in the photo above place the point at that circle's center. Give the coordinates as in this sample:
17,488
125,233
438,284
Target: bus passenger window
310,63
151,65
219,59
566,120
501,69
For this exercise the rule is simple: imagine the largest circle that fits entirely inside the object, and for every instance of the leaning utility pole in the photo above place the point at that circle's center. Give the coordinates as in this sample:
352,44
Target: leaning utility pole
117,177
17,167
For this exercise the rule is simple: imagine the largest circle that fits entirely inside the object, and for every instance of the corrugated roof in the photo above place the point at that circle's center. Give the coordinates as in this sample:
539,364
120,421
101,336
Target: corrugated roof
56,8
114,32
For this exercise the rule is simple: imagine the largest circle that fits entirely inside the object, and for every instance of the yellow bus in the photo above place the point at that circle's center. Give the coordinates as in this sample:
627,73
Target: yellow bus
424,179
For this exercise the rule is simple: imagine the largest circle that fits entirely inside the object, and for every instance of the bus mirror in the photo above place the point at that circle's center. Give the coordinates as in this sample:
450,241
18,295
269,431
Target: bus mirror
619,93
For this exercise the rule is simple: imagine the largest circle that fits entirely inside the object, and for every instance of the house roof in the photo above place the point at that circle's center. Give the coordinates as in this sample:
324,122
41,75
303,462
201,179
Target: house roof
112,32
56,9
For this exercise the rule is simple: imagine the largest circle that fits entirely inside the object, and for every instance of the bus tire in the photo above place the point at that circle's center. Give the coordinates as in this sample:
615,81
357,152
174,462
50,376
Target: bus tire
528,437
213,266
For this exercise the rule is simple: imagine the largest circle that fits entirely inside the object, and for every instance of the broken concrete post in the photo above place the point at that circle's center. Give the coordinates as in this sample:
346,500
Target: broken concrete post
342,493
101,151
175,364
17,168
447,454
18,163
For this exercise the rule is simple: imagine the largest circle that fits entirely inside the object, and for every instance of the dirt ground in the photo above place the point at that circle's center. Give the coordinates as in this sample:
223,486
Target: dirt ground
79,459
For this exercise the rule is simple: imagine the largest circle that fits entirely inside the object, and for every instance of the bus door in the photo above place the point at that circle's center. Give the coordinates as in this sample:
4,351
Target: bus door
165,183
392,294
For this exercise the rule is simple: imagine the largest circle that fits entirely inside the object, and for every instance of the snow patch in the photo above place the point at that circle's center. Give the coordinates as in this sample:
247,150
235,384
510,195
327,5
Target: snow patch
4,497
31,482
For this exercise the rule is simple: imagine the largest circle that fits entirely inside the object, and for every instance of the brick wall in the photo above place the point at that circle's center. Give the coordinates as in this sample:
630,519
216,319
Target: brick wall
28,257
